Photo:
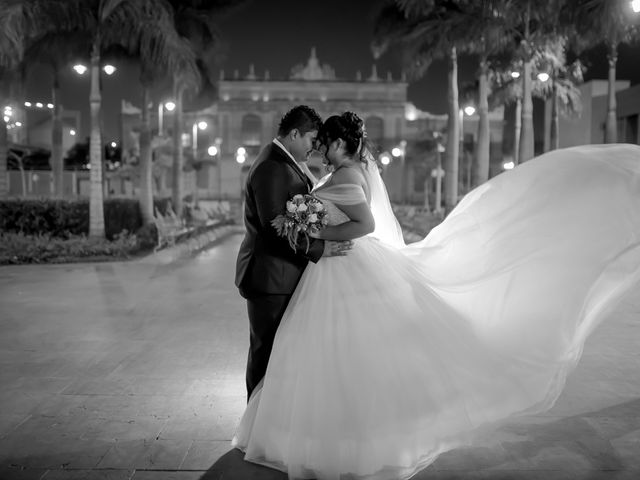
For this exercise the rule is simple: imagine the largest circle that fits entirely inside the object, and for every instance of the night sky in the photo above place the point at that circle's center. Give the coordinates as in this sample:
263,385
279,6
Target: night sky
277,36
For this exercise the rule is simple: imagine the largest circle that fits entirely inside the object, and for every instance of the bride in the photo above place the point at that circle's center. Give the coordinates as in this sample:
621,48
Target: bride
396,353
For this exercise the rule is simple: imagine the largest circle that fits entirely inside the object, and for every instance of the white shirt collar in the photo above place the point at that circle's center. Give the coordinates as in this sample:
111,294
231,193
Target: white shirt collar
278,143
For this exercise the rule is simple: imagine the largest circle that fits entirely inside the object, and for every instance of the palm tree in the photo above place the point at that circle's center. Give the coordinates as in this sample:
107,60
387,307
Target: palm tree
137,26
561,87
55,50
422,29
611,22
196,22
11,49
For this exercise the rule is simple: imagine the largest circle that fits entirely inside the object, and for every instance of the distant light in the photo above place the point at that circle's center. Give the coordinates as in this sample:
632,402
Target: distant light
212,150
80,69
543,76
39,105
27,104
508,165
6,119
241,151
202,125
170,106
396,152
515,74
469,110
240,158
8,110
109,69
114,144
72,133
635,6
18,124
385,159
49,105
88,166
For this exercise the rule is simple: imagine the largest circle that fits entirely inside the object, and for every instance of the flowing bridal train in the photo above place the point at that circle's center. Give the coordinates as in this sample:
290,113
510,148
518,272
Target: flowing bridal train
396,353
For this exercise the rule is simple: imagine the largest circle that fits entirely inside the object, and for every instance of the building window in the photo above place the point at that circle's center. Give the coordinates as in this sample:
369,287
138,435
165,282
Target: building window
251,130
375,128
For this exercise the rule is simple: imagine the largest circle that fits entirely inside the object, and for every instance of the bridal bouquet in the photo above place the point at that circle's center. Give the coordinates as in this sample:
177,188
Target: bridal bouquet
305,214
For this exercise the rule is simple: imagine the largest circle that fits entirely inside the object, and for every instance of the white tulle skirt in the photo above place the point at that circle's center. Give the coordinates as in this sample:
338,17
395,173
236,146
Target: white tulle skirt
388,357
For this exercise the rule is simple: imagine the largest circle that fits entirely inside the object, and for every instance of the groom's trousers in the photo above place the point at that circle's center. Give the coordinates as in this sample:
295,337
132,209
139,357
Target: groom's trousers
265,313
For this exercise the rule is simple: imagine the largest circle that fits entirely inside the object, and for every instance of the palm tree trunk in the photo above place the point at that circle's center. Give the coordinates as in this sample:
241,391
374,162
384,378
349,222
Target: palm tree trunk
57,161
177,151
453,137
96,198
481,170
4,154
517,129
611,128
146,185
554,134
526,133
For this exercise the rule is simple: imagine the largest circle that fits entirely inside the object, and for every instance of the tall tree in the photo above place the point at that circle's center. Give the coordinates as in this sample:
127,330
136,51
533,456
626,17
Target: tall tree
55,50
135,25
195,21
611,22
419,28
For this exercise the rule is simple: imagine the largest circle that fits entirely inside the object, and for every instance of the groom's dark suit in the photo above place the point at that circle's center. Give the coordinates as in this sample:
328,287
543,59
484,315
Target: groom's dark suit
267,269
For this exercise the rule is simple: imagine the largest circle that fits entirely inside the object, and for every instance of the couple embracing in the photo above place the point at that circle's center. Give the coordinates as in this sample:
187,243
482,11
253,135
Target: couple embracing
368,357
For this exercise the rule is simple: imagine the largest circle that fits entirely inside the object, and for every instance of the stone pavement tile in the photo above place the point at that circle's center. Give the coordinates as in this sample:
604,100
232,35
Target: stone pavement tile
122,429
195,427
627,448
15,401
9,422
123,455
163,455
160,475
38,384
93,474
17,473
29,452
202,454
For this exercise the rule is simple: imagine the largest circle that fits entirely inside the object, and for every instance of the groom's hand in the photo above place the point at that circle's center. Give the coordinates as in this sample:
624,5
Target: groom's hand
336,249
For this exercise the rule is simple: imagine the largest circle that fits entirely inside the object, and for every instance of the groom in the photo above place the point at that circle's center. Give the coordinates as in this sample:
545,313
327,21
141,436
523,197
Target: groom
267,268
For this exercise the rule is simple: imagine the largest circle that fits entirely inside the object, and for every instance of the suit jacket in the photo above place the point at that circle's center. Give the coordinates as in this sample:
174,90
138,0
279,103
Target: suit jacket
266,262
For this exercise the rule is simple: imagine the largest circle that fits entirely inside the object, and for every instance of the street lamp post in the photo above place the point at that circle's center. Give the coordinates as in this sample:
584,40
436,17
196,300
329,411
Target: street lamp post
170,107
438,173
400,152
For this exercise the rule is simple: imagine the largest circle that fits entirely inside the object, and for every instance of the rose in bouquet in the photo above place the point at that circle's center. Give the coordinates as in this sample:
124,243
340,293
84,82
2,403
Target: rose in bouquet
305,215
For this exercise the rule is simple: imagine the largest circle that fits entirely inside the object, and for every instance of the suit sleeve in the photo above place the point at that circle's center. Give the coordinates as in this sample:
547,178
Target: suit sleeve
271,187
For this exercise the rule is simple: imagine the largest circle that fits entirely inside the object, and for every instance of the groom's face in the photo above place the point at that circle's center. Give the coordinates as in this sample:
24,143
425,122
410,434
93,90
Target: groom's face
302,144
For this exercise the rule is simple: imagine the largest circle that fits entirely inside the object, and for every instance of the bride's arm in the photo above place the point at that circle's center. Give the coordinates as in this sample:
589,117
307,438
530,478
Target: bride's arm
360,223
355,206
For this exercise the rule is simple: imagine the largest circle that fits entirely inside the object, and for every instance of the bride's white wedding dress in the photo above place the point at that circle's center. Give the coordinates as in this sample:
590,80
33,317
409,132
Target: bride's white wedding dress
393,354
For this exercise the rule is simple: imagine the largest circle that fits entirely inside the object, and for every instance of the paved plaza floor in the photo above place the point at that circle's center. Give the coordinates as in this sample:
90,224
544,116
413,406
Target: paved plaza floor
135,370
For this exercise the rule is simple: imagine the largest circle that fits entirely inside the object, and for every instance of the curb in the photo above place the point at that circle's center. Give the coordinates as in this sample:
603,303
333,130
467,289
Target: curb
193,245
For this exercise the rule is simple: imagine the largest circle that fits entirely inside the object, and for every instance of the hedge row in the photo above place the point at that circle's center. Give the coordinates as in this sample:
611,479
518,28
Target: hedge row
68,218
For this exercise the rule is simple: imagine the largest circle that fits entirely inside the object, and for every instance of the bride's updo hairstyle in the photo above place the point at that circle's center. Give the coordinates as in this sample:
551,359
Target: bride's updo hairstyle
350,128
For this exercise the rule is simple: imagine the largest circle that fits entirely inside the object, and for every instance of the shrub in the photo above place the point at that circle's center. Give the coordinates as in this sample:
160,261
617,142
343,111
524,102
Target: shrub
43,248
65,218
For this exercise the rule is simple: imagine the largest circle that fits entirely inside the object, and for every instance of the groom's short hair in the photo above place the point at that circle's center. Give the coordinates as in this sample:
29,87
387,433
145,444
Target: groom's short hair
301,117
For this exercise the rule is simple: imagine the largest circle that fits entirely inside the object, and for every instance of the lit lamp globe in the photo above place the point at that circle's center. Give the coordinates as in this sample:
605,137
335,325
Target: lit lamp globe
469,110
80,69
635,6
385,160
543,76
170,106
241,155
396,152
508,165
202,125
212,151
109,69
